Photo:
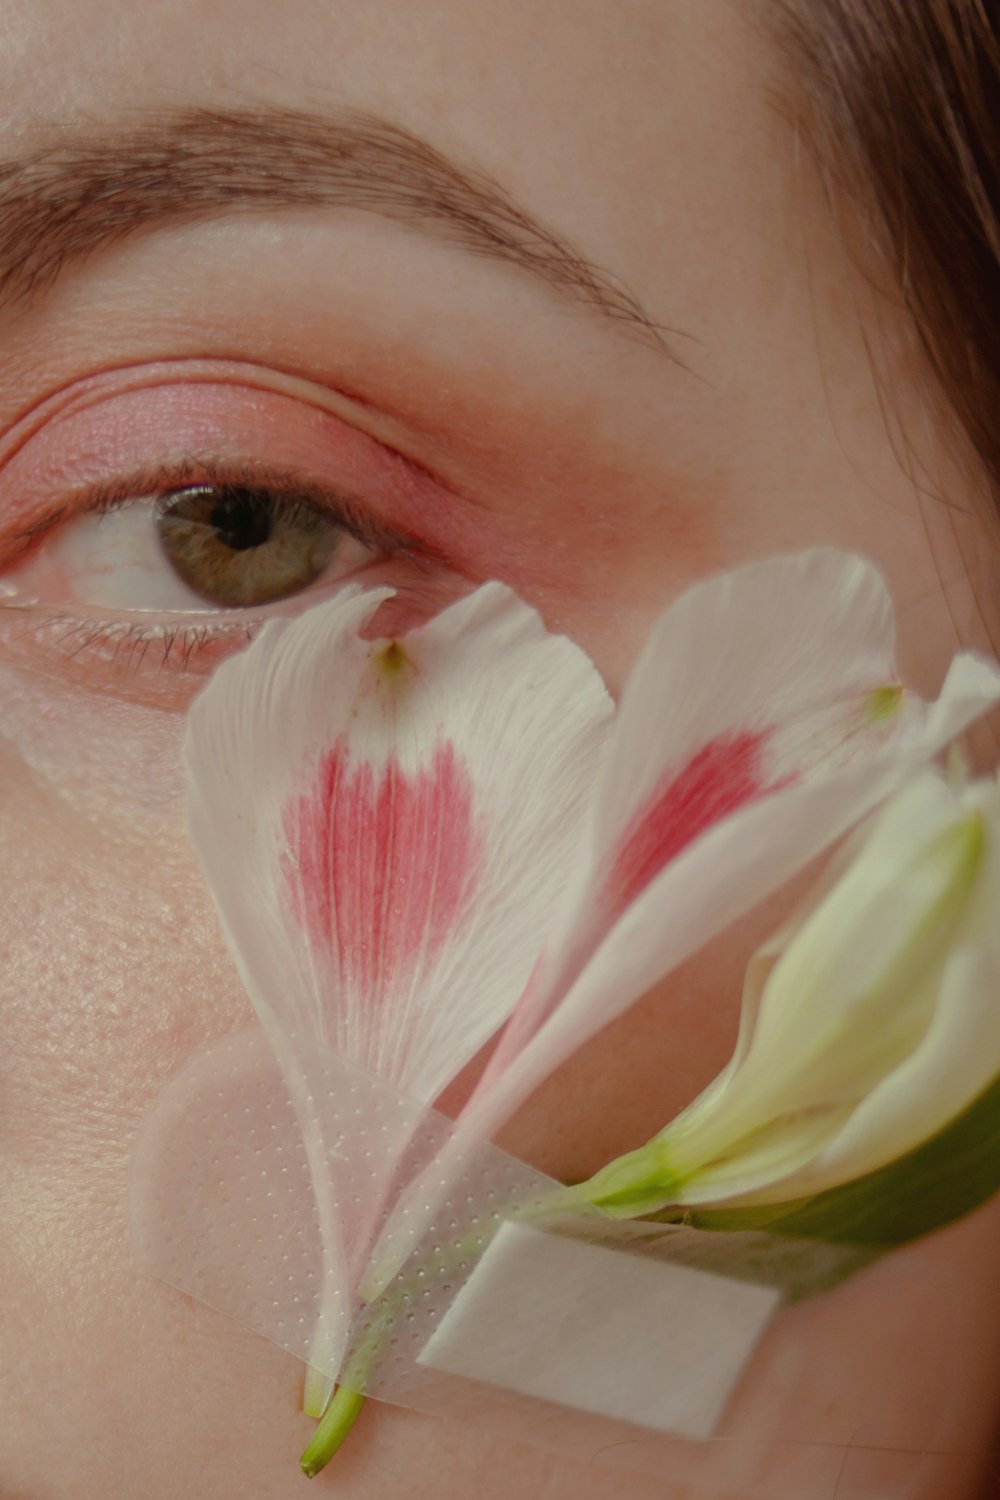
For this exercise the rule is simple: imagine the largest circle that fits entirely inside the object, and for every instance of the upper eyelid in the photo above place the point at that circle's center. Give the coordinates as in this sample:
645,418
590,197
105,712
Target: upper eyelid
88,392
103,425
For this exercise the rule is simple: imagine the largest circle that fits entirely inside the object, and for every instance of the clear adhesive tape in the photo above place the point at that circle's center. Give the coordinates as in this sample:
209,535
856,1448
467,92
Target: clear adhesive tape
650,1347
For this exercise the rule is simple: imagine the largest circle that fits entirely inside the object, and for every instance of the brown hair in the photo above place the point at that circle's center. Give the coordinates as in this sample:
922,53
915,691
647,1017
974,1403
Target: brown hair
902,94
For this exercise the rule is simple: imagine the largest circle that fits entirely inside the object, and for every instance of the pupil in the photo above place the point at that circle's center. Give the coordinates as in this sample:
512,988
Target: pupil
241,521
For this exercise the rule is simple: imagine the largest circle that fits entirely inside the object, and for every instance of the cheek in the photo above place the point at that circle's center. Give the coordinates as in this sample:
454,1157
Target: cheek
113,970
115,973
629,1080
111,974
119,759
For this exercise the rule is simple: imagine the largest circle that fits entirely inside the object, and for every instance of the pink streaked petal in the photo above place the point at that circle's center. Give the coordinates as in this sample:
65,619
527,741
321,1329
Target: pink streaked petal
386,827
749,738
721,777
752,657
359,832
253,731
739,668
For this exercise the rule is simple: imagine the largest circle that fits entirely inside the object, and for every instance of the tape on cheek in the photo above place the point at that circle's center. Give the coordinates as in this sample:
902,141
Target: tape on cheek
575,1336
121,758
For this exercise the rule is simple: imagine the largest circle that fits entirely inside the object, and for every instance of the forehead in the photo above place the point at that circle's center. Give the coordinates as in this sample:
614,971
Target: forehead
641,130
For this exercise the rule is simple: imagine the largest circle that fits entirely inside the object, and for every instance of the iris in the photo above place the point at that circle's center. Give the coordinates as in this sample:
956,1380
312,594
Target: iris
237,547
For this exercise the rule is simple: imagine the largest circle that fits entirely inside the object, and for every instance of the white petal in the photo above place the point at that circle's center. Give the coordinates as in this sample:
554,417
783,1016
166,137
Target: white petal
385,829
768,1168
895,909
957,1059
968,691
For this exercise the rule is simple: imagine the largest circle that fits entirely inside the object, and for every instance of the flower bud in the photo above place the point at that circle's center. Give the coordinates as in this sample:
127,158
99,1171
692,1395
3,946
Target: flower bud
868,1023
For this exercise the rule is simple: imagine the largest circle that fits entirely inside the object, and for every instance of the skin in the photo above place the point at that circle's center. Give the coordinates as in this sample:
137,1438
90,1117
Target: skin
596,476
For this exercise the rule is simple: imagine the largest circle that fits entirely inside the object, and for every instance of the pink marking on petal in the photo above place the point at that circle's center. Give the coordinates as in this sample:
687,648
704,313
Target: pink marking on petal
721,777
385,862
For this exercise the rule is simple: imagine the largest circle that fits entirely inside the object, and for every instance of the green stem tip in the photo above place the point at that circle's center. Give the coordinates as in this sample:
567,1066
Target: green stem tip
332,1430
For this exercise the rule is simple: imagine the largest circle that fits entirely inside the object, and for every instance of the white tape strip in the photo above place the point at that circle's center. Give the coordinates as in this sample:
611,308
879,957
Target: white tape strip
602,1330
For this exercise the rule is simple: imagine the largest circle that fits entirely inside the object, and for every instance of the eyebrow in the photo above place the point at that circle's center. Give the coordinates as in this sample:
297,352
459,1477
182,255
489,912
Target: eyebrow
65,199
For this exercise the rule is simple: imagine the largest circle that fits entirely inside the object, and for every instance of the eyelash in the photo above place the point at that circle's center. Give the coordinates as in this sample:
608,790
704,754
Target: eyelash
157,481
131,641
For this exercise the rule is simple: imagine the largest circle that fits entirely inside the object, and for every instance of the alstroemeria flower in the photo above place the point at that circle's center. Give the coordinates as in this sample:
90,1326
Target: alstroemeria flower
869,1023
412,843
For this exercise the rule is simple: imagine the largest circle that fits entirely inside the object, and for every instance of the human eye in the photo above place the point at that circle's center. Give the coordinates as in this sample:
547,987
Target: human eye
164,567
169,568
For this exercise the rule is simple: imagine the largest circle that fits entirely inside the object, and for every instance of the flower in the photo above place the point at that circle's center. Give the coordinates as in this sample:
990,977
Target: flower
383,864
418,845
869,1023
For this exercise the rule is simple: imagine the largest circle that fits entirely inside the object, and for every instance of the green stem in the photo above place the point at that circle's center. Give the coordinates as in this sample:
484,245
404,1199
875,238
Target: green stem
342,1412
638,1183
332,1431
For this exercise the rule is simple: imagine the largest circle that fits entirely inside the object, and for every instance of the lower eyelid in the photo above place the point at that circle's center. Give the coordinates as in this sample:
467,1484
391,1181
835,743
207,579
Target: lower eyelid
152,664
162,661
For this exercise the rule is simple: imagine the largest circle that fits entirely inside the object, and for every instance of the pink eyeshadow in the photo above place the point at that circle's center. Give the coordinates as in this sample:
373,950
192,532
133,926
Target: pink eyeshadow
167,423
